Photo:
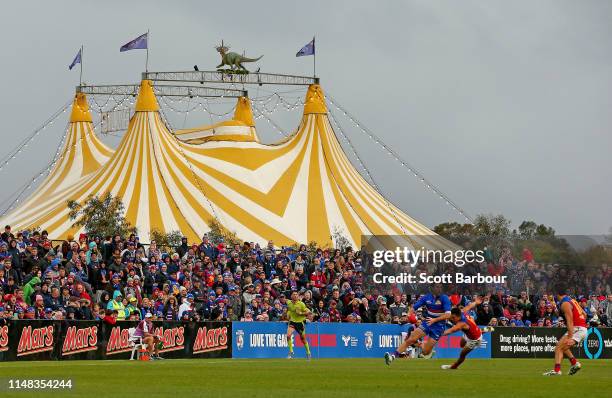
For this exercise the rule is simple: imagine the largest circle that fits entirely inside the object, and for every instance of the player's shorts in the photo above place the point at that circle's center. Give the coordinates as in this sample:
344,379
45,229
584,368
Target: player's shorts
433,331
471,344
579,334
298,326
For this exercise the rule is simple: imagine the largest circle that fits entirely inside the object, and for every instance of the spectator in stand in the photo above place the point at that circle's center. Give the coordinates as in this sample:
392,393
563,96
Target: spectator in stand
397,308
334,314
116,304
383,315
484,313
110,317
187,305
606,311
170,310
248,316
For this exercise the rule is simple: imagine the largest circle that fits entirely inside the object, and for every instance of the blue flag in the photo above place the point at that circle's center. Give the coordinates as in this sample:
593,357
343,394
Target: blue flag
138,43
77,60
308,49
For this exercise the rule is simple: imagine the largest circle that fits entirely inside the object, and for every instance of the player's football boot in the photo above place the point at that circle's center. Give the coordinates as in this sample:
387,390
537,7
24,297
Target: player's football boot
575,368
427,356
389,358
308,356
488,329
552,373
447,367
290,356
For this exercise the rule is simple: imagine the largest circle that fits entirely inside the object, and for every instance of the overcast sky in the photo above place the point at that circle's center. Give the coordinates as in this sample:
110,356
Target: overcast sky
505,105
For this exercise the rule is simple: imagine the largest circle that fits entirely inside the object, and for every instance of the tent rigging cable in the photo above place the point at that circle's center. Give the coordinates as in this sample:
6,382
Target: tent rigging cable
209,114
29,183
26,141
49,167
270,121
399,159
206,108
186,113
365,169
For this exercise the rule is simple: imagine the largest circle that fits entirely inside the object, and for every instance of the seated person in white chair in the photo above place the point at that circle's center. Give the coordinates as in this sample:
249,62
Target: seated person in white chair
145,331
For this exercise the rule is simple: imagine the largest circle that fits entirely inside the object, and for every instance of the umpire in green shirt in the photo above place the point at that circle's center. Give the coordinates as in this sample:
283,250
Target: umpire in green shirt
296,312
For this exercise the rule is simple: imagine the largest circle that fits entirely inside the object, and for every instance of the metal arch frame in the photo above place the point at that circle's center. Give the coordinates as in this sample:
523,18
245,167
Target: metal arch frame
230,78
163,91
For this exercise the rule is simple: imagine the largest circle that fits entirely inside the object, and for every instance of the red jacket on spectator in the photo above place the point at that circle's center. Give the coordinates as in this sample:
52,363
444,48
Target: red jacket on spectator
318,281
109,319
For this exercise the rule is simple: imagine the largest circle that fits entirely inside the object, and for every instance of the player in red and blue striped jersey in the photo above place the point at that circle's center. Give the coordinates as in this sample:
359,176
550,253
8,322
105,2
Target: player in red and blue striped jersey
437,312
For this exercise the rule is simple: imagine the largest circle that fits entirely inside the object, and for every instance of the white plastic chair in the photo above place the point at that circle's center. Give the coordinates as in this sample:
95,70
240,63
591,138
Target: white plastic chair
136,343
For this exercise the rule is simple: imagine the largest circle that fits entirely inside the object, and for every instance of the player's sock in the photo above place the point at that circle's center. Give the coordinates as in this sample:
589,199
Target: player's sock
557,367
290,344
573,361
396,353
306,345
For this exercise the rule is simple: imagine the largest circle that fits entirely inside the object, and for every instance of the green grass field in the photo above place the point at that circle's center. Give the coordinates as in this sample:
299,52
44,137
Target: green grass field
317,378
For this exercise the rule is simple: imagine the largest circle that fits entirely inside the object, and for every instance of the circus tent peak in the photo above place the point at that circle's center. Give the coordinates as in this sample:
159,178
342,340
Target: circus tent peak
80,109
244,112
240,128
146,100
303,189
82,154
315,100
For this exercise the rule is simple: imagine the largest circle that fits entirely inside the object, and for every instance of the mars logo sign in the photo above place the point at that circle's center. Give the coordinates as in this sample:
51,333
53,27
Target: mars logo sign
118,341
80,340
173,338
208,340
35,340
4,338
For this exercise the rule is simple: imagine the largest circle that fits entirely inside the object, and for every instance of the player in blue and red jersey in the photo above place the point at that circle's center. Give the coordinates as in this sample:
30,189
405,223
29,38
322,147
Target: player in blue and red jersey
437,312
576,322
472,334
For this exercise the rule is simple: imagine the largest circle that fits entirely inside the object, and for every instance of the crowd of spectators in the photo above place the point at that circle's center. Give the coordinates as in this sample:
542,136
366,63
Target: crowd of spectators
117,278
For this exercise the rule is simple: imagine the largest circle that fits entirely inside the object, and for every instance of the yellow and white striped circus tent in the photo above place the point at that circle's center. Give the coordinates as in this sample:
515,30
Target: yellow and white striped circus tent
299,190
81,155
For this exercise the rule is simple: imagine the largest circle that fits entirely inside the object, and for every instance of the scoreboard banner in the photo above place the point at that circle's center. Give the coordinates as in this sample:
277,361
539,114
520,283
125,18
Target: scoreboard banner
68,340
540,342
334,340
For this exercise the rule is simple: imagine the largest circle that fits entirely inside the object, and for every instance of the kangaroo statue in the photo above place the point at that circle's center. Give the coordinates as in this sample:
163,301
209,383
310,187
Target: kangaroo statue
232,59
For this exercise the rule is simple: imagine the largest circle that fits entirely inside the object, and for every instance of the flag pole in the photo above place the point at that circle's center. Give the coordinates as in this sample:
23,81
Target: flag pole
147,61
314,58
81,64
